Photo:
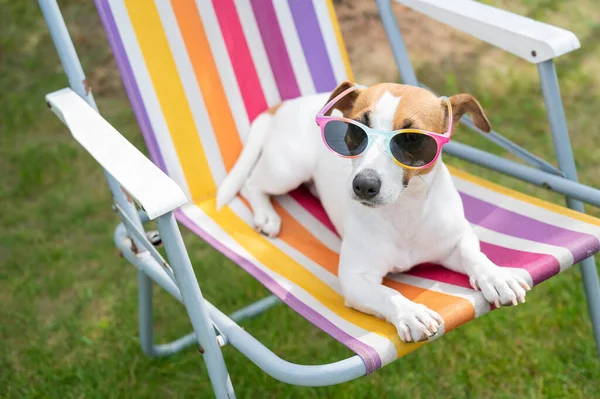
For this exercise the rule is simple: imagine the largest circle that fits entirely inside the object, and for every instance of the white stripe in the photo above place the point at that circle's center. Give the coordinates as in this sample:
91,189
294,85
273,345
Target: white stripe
312,224
294,48
224,66
331,43
258,52
384,347
192,90
563,255
476,298
525,208
149,97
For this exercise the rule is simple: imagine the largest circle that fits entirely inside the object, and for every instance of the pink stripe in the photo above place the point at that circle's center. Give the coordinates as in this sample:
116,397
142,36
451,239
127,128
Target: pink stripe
367,353
270,32
440,274
541,267
241,60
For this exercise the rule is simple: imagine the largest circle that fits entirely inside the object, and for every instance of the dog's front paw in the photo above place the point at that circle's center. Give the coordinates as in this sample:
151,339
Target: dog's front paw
500,287
267,222
417,322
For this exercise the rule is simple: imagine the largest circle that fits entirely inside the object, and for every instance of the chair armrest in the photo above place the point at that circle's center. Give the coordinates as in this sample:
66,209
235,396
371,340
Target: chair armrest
156,192
524,37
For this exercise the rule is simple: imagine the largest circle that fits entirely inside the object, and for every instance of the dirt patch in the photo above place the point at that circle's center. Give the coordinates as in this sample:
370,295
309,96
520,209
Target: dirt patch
428,41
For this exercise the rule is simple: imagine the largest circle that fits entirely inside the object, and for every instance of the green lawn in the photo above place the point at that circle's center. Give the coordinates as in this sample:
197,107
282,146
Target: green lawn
68,302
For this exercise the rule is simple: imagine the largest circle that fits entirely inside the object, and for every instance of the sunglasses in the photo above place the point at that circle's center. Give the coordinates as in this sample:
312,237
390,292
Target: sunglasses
411,148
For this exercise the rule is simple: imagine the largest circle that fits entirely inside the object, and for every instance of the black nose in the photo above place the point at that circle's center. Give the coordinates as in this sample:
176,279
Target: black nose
366,184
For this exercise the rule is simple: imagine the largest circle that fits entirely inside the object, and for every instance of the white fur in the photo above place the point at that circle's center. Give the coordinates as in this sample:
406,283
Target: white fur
383,117
423,222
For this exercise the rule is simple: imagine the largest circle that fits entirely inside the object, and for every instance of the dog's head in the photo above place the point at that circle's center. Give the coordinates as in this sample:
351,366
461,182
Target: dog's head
377,179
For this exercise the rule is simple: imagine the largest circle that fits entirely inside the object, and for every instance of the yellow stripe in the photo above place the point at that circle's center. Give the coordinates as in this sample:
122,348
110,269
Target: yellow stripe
279,262
523,197
171,96
340,40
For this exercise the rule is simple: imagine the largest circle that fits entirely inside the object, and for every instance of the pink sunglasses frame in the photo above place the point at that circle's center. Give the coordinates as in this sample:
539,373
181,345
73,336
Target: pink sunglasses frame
441,139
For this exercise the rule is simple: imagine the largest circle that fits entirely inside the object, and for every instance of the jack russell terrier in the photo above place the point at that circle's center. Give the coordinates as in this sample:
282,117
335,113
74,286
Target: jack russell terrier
382,182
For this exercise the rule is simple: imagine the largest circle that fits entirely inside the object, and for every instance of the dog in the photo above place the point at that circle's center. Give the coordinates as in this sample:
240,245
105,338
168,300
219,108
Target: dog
390,216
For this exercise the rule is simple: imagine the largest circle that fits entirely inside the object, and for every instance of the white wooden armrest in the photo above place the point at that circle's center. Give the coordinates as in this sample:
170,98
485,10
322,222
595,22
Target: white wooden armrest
156,192
524,37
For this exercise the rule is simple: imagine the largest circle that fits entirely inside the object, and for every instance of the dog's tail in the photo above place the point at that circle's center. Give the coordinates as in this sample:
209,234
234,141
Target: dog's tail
234,181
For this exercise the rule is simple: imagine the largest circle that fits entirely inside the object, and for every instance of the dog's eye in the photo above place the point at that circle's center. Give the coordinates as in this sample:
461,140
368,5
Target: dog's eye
355,137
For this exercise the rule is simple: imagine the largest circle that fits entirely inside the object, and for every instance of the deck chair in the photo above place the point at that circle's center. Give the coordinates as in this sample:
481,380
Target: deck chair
198,72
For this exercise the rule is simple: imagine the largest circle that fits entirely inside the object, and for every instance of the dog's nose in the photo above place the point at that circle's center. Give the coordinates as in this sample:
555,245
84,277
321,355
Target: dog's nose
366,184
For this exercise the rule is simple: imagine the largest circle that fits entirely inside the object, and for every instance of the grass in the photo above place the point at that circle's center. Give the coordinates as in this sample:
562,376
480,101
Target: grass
69,302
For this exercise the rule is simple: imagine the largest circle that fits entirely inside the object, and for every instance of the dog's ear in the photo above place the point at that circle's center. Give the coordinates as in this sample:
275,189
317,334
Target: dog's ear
466,103
345,103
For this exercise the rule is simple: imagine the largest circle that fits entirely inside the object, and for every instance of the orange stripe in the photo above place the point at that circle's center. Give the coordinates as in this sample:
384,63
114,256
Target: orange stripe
171,96
298,237
454,310
209,81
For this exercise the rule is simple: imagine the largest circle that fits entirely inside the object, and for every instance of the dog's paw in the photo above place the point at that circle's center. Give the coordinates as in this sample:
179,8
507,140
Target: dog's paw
500,287
267,222
417,323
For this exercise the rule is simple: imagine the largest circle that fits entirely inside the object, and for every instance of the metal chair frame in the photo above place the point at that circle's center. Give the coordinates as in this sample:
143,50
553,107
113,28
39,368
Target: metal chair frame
211,328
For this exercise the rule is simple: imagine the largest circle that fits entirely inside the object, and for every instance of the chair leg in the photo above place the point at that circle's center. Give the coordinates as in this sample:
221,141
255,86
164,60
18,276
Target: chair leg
195,305
146,323
145,313
566,163
592,295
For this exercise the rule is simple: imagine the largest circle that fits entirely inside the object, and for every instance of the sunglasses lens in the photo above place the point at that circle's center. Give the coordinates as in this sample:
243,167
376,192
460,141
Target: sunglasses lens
345,138
413,149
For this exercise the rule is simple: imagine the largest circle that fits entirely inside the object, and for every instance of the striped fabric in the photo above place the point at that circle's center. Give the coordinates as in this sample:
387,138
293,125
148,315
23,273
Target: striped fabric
197,72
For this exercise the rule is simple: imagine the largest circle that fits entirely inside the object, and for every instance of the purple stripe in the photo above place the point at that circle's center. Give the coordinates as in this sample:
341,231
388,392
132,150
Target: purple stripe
313,45
129,82
501,220
268,25
367,353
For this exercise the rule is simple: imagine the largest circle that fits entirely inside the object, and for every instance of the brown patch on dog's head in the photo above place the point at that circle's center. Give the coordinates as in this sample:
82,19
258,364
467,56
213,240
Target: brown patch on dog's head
346,103
418,108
